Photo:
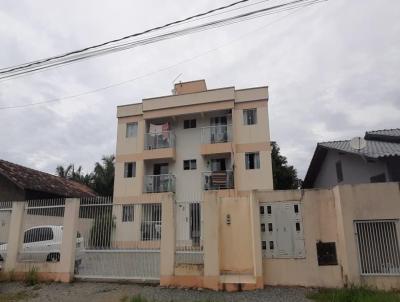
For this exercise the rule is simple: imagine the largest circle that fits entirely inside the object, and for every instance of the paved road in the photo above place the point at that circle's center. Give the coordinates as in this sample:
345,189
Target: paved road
111,292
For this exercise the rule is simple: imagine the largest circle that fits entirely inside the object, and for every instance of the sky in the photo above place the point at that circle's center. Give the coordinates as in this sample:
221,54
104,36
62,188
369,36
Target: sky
333,72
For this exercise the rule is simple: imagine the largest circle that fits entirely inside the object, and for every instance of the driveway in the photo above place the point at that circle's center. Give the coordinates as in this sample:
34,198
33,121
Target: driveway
112,292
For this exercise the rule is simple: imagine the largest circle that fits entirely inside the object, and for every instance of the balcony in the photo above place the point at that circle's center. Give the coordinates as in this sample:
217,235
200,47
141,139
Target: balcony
159,145
216,139
159,183
218,180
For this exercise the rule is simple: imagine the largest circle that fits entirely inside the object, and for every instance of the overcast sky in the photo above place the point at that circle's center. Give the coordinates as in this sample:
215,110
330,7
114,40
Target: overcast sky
333,72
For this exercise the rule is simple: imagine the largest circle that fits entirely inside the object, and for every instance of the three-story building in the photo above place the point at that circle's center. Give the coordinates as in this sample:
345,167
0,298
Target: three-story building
193,141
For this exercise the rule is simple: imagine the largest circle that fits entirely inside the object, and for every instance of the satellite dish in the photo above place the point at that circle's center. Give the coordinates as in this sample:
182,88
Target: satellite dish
358,143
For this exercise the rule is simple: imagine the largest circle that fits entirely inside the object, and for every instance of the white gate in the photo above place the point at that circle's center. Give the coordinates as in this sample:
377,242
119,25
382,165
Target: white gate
119,241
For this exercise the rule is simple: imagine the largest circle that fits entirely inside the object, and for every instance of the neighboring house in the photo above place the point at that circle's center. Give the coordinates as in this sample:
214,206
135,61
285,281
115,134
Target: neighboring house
22,183
337,163
194,140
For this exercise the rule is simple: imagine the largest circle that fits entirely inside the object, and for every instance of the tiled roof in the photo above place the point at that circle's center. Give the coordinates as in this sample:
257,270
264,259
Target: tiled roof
388,132
29,179
373,149
386,135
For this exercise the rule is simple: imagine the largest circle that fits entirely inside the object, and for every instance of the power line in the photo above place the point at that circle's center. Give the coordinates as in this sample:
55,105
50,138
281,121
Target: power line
150,73
149,40
126,37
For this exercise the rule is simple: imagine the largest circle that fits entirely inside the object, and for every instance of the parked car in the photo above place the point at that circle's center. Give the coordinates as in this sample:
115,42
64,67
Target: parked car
43,243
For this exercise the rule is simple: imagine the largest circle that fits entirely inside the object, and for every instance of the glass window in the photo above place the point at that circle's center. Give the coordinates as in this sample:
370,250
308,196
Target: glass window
252,160
38,234
187,124
131,129
250,116
189,164
339,171
128,213
130,170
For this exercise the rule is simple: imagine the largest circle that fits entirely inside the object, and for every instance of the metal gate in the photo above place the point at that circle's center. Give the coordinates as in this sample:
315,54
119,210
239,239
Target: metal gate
118,241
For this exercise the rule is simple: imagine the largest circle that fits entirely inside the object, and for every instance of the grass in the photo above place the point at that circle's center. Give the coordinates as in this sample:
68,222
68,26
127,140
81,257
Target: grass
354,294
14,297
31,277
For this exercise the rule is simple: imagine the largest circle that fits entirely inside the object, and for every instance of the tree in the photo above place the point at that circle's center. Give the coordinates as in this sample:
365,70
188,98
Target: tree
285,176
101,180
103,176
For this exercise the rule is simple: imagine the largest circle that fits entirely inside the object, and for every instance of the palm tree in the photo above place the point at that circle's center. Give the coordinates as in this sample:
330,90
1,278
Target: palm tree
64,172
103,176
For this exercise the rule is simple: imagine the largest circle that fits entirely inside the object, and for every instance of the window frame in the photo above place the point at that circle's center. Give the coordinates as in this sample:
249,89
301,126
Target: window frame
189,164
127,132
133,169
255,160
190,124
128,213
250,116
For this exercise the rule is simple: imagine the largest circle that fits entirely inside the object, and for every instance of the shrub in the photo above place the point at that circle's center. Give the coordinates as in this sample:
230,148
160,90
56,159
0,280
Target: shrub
31,277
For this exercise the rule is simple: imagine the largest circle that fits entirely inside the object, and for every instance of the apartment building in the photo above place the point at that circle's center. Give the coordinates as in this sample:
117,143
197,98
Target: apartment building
194,140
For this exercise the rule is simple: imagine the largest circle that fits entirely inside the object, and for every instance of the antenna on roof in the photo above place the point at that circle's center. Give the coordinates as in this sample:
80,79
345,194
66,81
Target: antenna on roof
173,82
358,143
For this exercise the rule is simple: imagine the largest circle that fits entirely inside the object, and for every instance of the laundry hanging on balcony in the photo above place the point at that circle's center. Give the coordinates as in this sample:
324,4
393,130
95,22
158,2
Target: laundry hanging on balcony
160,135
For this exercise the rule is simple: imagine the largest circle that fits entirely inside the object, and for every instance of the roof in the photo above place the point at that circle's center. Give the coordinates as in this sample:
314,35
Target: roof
30,179
379,144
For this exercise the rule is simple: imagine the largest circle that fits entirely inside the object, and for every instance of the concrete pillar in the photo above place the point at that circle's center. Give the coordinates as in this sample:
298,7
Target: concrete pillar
211,241
167,250
256,240
68,245
14,235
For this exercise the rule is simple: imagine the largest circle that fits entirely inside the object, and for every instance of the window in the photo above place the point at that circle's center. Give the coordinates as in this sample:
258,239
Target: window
264,245
339,171
378,178
270,227
189,164
130,170
296,208
298,226
128,213
269,209
378,247
131,129
151,222
326,253
252,161
271,245
250,116
261,210
38,234
187,124
263,227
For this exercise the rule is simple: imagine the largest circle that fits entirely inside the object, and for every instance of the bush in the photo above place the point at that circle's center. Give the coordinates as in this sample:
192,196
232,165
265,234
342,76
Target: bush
354,294
31,277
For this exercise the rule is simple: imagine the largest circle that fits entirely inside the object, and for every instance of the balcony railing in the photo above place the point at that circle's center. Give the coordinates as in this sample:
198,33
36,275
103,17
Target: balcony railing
159,183
218,180
216,134
165,139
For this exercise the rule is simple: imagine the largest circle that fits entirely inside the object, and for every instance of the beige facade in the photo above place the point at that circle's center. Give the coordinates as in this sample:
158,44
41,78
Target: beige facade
218,142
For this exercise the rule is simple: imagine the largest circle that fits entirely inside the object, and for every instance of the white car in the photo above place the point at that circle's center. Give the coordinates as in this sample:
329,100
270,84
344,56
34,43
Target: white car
43,243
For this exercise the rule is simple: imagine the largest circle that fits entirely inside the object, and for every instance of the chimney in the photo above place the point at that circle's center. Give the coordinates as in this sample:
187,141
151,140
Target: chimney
189,87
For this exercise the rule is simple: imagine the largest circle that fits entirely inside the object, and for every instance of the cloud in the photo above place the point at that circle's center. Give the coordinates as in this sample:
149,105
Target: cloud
332,70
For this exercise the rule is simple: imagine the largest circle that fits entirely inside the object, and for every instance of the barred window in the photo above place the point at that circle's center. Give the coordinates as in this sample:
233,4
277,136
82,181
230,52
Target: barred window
378,247
128,213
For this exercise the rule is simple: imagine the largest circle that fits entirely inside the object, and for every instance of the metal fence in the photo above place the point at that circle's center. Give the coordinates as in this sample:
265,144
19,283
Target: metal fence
216,134
165,139
42,230
119,241
189,239
378,247
5,218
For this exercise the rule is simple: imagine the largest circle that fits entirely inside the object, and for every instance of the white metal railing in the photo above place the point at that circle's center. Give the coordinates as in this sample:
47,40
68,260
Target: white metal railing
218,180
159,183
5,218
189,239
119,241
165,139
216,134
378,247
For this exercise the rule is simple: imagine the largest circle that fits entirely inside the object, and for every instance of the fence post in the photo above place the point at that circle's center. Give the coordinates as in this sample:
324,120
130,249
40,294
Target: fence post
256,241
14,235
167,250
68,245
211,241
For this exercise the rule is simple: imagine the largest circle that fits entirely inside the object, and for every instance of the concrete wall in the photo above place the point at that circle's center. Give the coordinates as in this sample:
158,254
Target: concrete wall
355,170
